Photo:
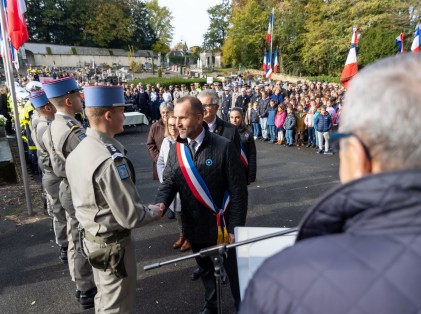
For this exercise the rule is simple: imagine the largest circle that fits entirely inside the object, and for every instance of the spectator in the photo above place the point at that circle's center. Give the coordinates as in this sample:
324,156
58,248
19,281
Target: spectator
358,247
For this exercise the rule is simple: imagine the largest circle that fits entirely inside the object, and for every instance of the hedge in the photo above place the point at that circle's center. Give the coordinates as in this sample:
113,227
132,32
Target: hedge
167,81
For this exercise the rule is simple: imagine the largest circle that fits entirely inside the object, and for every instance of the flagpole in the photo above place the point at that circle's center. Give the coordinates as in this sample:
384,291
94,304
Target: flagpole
271,41
9,75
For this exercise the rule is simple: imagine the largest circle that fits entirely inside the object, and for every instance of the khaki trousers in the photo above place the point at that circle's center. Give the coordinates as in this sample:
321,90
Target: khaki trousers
115,295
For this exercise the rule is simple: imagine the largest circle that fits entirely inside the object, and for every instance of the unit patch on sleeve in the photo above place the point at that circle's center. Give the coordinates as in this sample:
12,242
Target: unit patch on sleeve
122,171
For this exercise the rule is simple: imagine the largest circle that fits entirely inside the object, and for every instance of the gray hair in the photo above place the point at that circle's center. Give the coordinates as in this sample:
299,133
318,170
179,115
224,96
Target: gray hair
166,104
209,93
382,106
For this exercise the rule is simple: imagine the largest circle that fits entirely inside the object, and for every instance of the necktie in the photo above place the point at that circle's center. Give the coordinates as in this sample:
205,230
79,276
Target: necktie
192,146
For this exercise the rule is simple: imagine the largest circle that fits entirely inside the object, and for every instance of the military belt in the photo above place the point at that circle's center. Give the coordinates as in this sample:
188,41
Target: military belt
111,238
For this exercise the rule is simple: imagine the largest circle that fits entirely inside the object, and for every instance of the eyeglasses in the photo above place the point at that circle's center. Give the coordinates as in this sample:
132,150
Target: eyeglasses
208,106
335,138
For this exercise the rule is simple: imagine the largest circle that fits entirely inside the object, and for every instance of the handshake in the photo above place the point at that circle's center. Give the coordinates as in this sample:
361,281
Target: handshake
156,210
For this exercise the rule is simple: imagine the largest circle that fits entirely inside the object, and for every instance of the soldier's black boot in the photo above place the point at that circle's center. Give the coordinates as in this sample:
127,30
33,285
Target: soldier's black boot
86,298
63,254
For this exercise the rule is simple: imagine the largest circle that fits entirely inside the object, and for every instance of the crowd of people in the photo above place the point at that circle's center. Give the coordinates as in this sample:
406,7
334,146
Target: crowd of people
354,244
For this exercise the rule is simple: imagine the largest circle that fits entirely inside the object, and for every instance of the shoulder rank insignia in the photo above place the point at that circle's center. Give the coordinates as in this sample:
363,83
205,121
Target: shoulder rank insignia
115,153
122,171
81,136
72,125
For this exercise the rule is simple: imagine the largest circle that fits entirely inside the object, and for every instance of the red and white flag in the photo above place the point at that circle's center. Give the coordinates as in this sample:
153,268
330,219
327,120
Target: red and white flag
270,28
415,47
269,65
18,32
351,67
355,35
264,61
275,62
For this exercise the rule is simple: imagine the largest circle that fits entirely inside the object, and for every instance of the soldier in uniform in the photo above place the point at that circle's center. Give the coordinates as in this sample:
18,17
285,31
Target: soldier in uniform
61,138
226,103
184,91
220,93
236,92
176,93
106,200
50,181
193,91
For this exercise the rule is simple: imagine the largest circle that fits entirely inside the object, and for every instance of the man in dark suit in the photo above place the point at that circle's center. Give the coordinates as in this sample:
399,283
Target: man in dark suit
217,163
209,99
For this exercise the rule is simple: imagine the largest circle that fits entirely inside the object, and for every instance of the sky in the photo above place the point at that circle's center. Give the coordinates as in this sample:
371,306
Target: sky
190,19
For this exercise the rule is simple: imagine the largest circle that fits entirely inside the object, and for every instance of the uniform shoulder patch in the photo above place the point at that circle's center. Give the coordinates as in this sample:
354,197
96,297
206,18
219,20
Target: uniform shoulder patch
72,125
123,171
81,136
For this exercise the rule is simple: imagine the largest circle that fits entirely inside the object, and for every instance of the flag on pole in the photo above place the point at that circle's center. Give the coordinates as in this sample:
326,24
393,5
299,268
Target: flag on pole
276,63
399,42
415,47
269,66
351,67
17,30
264,61
269,33
355,36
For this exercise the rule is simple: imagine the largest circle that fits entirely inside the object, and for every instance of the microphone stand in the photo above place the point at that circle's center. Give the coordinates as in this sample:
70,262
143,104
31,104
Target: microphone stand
217,254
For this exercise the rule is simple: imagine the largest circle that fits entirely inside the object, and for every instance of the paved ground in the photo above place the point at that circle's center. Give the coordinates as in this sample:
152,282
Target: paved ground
32,280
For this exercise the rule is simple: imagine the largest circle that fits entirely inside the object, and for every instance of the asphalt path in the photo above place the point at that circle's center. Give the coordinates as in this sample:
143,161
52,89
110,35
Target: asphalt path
32,279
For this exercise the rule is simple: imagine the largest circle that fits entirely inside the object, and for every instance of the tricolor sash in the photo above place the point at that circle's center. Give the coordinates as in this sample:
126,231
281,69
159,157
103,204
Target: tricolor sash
243,156
201,191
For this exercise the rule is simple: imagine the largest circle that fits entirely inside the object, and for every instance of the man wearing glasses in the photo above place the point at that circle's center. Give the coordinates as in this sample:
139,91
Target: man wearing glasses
359,247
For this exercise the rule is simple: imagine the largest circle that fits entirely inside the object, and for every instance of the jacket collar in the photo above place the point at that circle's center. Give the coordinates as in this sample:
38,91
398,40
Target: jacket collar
375,204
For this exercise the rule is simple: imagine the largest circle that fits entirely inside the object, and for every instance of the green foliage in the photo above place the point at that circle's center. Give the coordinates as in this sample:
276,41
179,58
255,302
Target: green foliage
160,21
167,81
216,34
74,51
159,72
324,78
111,52
49,51
136,67
178,60
101,23
313,36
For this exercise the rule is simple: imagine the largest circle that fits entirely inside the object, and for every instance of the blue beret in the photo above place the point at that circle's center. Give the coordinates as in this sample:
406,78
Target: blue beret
38,99
60,87
104,96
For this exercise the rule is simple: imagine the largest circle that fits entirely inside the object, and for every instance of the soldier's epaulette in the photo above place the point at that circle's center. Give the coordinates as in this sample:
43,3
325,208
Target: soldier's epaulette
72,125
116,155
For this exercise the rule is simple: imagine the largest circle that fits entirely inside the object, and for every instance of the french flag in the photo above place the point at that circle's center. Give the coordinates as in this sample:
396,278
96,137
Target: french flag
269,33
399,42
415,48
264,61
276,63
351,67
18,32
268,66
355,36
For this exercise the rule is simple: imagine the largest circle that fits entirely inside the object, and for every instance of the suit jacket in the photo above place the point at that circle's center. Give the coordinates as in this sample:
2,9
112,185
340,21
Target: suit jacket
219,165
228,131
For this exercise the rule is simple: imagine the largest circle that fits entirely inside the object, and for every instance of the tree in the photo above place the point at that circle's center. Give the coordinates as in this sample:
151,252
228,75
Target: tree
109,23
245,41
219,16
160,21
143,35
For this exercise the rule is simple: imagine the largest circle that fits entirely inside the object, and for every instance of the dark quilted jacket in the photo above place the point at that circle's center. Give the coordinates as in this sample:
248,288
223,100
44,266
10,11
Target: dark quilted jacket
218,163
249,147
358,251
